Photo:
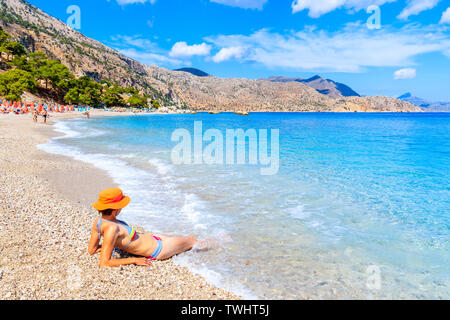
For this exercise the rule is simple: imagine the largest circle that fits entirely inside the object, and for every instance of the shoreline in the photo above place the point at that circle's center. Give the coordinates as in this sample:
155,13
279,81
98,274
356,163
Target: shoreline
45,226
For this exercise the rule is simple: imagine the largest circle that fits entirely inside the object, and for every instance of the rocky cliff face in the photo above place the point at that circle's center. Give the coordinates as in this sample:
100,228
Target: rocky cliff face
38,31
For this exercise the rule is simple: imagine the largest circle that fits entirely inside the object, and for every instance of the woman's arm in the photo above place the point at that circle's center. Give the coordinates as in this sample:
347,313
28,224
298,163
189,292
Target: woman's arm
94,246
109,240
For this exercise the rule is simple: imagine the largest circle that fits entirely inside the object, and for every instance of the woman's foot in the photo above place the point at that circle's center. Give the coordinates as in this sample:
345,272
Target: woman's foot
211,243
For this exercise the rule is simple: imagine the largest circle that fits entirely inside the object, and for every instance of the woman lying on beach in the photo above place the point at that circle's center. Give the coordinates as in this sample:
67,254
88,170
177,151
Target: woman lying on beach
118,234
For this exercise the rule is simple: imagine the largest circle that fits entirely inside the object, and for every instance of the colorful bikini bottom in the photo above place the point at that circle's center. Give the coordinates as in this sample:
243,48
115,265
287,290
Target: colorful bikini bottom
158,249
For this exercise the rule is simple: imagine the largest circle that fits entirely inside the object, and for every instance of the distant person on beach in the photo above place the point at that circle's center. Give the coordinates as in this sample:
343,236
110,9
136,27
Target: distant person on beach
35,115
44,115
119,235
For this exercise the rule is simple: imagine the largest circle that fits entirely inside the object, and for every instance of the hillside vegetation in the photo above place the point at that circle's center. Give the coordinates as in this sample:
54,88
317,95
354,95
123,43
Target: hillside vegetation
35,72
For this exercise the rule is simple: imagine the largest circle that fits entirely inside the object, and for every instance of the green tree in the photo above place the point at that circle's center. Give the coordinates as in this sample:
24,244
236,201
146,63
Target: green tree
72,96
107,83
37,60
137,101
112,97
36,63
12,49
15,82
32,62
4,37
91,96
156,104
55,72
21,62
84,91
131,90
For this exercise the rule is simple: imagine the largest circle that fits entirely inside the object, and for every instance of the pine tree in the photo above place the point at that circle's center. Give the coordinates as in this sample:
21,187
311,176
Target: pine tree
15,82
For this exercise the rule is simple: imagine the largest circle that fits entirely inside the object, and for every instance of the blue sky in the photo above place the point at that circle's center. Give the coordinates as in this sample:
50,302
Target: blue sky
408,51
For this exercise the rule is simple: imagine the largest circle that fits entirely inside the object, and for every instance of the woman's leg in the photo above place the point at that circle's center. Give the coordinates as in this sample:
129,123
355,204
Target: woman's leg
173,246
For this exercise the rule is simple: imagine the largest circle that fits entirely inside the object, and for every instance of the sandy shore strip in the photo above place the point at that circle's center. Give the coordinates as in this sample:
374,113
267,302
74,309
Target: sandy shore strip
45,222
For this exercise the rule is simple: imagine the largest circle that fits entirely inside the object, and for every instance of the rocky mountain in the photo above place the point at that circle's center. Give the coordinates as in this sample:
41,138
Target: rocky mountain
211,93
38,31
414,100
427,106
194,71
324,86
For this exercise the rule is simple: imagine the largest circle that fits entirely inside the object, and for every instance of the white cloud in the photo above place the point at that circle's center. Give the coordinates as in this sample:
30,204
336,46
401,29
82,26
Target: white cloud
349,50
142,50
319,7
316,8
415,7
133,41
407,73
246,4
149,58
447,53
446,16
182,49
226,54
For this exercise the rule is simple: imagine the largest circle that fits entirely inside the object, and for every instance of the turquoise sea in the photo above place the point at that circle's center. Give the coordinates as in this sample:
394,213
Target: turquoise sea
360,206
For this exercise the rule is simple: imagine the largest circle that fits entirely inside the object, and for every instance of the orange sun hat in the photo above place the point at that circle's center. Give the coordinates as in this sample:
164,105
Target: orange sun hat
111,199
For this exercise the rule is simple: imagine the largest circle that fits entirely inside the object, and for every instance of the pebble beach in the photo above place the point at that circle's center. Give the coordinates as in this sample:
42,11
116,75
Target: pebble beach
45,222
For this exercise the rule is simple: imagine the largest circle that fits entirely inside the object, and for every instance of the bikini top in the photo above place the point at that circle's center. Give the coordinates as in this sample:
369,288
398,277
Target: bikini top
131,231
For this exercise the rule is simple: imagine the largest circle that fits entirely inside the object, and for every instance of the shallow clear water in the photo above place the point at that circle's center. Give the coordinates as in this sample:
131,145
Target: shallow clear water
360,207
